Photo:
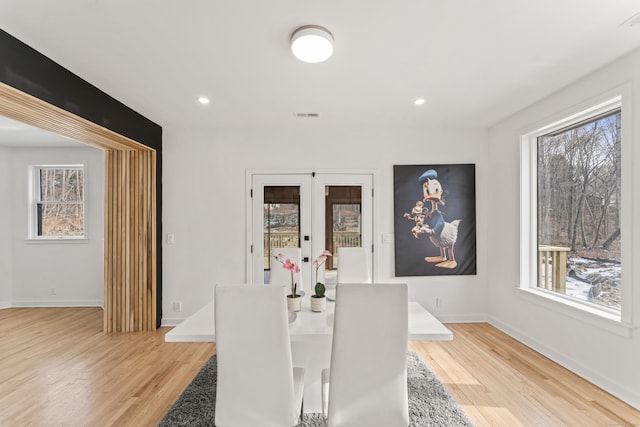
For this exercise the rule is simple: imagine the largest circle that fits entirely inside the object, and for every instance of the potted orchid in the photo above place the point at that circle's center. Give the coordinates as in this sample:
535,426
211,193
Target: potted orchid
319,300
294,301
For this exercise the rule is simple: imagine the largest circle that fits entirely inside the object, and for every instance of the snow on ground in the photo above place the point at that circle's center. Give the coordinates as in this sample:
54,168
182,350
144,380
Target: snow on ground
578,289
596,281
600,281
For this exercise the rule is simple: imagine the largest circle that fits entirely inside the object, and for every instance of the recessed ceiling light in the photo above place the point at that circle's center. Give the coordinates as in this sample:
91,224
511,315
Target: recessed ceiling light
419,101
312,43
203,100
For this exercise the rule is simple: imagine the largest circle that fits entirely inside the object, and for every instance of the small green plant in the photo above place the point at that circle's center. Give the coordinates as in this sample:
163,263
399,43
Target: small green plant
317,263
319,290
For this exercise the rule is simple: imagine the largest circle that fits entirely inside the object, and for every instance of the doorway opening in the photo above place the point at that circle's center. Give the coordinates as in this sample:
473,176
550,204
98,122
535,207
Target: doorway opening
130,273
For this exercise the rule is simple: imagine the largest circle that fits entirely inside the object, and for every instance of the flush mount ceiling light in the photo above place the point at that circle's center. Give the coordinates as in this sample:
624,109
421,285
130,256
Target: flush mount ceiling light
312,43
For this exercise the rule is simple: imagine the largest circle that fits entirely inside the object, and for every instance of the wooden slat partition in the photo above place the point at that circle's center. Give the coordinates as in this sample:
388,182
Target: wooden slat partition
130,273
130,209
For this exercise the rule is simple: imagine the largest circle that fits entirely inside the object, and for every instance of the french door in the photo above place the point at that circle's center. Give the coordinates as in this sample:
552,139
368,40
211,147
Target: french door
310,211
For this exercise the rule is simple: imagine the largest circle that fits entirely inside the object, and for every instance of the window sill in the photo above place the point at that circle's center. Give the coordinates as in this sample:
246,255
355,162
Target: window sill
602,319
56,240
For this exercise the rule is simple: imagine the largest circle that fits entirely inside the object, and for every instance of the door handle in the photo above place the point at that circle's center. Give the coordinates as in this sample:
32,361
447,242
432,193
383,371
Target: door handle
305,259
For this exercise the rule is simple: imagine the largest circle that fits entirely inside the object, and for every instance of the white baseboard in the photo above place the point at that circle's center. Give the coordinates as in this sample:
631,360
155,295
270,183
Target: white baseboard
632,397
56,303
171,321
5,304
461,318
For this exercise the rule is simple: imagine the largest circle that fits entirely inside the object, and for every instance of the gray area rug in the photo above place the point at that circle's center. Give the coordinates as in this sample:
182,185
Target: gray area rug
430,405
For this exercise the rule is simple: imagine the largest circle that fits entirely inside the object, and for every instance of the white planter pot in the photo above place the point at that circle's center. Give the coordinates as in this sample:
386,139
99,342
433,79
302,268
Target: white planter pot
294,304
318,304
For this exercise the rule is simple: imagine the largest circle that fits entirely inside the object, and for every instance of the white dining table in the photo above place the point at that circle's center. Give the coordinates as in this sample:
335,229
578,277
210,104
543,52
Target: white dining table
308,325
311,335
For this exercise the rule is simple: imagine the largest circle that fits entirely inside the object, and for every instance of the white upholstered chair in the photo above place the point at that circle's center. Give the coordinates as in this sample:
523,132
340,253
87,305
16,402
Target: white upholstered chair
366,384
353,266
257,384
280,276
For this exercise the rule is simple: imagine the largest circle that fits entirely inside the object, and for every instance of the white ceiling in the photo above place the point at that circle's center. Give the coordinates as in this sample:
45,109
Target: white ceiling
475,62
18,134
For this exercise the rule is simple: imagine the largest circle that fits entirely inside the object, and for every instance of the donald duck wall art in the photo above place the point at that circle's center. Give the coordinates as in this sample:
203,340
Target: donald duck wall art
441,235
432,223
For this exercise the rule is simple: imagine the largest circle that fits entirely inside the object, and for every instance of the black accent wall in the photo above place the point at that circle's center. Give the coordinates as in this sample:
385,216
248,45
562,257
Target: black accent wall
29,71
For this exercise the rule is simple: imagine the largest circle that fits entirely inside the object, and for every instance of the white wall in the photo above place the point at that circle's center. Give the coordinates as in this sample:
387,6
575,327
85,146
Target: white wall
5,230
74,270
596,353
205,203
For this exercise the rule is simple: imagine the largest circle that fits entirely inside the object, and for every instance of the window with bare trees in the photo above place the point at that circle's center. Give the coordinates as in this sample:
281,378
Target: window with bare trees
579,208
573,233
58,202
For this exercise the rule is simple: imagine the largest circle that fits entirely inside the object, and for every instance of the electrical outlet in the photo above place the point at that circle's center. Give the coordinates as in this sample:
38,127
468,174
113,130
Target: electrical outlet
177,307
438,303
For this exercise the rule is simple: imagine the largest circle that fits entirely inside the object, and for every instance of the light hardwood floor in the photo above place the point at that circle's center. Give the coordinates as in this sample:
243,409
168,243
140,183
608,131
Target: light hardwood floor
57,368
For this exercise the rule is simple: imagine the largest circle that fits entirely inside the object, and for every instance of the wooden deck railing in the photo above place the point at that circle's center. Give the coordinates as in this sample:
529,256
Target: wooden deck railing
345,239
291,240
281,240
552,268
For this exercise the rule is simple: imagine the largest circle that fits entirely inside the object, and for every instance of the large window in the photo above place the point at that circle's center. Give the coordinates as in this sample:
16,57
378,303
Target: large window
57,202
572,228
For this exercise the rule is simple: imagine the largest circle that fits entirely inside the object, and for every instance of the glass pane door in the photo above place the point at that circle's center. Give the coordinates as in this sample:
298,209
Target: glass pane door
310,212
343,225
281,219
347,203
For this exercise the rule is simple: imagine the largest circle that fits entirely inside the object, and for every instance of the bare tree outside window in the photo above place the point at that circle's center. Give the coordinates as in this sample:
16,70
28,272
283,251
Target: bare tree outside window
579,201
60,201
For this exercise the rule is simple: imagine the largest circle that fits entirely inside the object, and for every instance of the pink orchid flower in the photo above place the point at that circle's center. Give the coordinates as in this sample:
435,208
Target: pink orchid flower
291,266
321,258
317,263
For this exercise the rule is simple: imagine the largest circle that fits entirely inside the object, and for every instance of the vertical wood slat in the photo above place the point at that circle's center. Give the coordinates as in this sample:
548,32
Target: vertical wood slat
140,235
134,232
120,243
127,238
143,240
151,284
108,241
130,264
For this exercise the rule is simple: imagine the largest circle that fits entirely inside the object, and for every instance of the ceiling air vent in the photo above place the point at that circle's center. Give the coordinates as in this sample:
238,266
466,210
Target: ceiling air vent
303,115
